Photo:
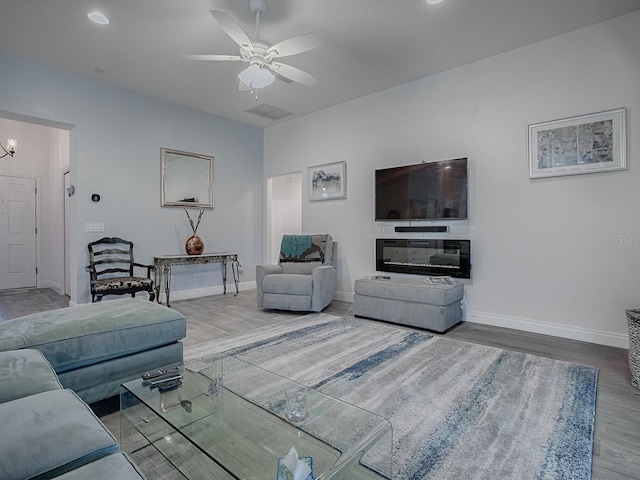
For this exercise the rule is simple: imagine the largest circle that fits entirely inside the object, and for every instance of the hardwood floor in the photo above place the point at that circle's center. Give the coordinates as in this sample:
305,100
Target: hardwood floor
617,432
24,301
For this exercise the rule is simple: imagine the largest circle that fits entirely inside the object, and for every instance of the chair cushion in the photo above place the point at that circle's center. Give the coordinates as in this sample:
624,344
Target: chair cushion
74,337
48,434
300,268
106,285
290,284
304,248
25,372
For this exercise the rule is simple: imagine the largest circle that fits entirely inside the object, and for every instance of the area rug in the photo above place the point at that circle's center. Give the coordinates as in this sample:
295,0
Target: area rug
458,410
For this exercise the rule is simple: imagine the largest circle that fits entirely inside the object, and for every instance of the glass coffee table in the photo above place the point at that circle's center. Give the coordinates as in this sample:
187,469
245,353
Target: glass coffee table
230,420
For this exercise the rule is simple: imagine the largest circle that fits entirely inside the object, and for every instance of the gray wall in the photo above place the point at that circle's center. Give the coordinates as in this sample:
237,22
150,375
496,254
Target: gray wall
116,136
559,256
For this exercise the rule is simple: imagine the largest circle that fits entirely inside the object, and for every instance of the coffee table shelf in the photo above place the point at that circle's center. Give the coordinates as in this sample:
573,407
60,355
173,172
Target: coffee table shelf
227,422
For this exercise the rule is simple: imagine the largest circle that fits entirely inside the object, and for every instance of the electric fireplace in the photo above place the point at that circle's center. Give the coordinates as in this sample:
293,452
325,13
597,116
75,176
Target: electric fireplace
424,256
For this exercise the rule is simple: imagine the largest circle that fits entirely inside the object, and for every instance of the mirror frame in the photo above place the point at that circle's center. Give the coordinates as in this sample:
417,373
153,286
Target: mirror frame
167,155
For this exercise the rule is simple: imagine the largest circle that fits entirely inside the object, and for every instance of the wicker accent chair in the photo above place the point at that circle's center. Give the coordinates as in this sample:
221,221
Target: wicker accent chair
305,278
111,270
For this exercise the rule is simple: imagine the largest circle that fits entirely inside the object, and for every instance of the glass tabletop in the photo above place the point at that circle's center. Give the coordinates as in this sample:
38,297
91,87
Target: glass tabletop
232,419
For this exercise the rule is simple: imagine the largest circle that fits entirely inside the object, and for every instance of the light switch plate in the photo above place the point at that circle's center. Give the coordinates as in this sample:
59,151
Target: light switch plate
94,227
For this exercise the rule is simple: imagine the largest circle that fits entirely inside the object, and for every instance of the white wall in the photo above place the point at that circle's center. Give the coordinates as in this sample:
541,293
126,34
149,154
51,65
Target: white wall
116,136
558,256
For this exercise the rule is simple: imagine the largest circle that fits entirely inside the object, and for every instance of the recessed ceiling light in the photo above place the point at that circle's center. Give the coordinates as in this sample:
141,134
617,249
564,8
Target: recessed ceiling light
97,17
434,2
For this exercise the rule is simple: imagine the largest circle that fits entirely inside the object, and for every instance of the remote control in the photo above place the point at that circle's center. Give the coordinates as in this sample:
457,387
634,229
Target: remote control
161,371
169,385
163,378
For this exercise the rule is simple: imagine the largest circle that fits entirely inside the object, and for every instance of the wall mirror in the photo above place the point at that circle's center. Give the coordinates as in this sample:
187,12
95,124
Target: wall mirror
187,179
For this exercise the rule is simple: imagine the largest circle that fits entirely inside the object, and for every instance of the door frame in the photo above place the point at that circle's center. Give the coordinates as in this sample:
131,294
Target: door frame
38,226
66,219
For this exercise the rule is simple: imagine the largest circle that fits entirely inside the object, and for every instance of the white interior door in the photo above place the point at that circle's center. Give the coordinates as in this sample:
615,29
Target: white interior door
17,232
284,211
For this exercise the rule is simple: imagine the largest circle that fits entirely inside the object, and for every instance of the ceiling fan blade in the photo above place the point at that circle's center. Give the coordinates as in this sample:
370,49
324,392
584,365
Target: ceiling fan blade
295,45
293,73
242,87
212,58
231,28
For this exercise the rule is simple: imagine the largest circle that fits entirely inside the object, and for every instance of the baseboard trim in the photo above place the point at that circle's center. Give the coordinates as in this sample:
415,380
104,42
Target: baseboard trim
555,330
205,292
56,287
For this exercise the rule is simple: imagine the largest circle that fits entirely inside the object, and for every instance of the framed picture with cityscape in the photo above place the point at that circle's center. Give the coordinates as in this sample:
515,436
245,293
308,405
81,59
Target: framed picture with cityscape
590,143
328,182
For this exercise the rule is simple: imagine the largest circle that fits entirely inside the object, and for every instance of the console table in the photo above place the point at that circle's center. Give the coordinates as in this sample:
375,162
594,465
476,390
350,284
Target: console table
163,263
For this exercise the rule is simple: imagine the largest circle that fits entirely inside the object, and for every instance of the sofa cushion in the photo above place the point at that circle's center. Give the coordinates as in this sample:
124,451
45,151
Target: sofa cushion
48,434
117,466
77,336
290,284
25,372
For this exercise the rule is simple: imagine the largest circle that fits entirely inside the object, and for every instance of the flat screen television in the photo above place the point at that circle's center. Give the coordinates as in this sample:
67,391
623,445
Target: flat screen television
425,191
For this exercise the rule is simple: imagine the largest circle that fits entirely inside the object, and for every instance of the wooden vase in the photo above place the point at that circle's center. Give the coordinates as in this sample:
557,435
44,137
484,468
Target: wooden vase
194,245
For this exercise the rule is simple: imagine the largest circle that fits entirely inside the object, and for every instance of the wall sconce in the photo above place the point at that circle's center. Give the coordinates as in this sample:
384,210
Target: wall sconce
12,144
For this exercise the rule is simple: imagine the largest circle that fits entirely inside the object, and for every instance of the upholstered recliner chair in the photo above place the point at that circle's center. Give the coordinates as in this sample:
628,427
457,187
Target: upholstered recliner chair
305,277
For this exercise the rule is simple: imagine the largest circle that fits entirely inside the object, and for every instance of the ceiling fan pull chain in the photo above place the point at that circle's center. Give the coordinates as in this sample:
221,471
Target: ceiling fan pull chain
252,91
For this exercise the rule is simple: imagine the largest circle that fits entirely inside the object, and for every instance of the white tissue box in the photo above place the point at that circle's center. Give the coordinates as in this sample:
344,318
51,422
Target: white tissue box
282,470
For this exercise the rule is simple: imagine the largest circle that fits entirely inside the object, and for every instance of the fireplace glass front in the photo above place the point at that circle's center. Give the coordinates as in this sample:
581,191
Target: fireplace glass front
424,256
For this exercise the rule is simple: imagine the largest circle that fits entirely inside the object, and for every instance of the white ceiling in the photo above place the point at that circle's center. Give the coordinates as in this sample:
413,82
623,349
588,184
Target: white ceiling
369,45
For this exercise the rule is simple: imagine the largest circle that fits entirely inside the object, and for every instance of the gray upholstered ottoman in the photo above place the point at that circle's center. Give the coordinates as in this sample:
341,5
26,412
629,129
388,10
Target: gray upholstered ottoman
409,301
95,347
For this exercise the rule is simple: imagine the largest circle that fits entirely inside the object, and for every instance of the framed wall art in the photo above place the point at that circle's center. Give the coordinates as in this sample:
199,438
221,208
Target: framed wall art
328,182
585,144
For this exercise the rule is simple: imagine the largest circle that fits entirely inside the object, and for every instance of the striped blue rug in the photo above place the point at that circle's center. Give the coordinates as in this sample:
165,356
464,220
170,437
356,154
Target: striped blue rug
458,410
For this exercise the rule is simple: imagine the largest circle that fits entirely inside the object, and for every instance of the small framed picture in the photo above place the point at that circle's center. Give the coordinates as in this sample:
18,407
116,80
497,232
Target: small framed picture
585,144
328,182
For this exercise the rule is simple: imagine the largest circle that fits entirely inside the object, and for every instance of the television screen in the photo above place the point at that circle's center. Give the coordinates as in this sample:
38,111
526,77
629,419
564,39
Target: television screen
426,191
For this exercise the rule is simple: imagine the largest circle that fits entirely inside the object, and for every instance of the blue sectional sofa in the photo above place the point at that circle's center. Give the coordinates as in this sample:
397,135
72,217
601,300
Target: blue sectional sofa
48,431
95,347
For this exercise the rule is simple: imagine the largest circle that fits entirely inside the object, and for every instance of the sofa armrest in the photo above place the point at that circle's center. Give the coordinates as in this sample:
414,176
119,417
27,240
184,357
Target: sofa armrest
261,272
325,281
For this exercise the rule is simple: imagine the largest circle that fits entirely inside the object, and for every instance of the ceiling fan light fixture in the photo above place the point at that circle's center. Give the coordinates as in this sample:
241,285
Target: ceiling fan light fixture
434,2
256,77
99,18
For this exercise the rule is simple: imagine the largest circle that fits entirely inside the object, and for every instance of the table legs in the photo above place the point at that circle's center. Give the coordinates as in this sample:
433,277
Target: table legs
165,271
235,269
160,271
236,275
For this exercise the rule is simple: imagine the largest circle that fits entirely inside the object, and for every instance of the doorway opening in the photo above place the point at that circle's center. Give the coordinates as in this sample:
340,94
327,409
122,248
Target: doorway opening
284,211
43,157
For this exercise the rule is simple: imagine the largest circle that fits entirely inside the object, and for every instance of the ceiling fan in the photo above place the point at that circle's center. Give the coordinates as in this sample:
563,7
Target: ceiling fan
259,54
